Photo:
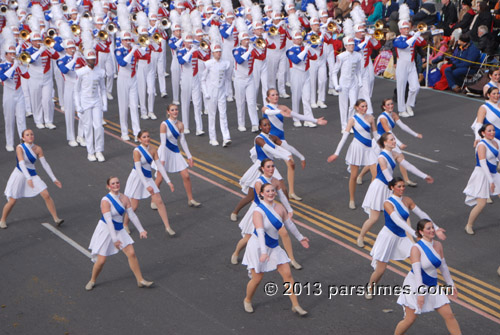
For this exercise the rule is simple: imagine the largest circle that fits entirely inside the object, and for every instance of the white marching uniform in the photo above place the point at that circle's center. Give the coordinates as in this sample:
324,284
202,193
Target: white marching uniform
360,152
478,186
430,261
146,80
406,70
367,72
349,65
170,154
317,72
272,223
392,242
230,41
136,187
260,71
17,185
213,84
13,100
276,60
91,101
379,191
102,243
175,68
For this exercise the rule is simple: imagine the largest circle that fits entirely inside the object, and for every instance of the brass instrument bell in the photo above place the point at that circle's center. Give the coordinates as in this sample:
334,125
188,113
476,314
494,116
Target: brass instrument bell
103,35
111,28
157,38
204,45
165,23
24,58
49,42
4,9
273,31
315,39
379,34
51,32
25,35
143,40
260,43
75,29
332,27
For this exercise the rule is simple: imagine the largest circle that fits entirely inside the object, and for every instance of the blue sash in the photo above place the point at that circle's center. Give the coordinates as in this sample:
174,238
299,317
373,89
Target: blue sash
380,128
31,158
148,158
170,145
497,113
261,155
358,136
389,223
270,242
426,279
491,167
275,131
392,163
118,225
255,195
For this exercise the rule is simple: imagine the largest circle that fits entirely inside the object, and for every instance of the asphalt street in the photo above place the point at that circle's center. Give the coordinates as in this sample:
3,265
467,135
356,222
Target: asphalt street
197,289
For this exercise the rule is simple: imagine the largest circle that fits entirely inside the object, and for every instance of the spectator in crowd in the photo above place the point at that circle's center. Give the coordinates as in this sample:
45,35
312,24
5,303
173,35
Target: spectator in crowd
467,51
448,17
426,14
487,42
413,5
483,18
376,14
367,6
388,7
440,46
465,17
330,8
393,23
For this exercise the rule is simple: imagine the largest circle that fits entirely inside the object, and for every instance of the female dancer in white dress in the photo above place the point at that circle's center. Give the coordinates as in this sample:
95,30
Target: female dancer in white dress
488,113
109,236
426,257
386,122
494,75
484,181
140,184
392,242
265,146
263,253
360,152
24,181
246,225
172,132
378,192
276,113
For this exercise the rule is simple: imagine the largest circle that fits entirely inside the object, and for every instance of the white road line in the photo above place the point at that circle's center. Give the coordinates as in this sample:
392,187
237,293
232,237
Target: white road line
67,239
421,157
451,167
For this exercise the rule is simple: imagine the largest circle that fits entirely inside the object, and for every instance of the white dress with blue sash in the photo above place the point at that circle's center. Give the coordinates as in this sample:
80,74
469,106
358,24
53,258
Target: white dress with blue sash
135,189
360,152
277,255
392,242
17,185
101,242
478,186
246,223
432,301
378,191
174,162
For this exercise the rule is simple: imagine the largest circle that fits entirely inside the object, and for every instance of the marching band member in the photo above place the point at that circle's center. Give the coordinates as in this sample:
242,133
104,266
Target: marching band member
11,71
244,85
175,42
126,84
157,54
260,64
103,48
299,57
91,101
276,59
213,85
145,77
230,41
349,65
406,70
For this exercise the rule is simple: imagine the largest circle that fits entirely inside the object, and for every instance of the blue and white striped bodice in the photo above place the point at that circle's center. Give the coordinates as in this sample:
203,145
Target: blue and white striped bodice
172,135
276,122
116,216
29,158
491,155
430,261
146,160
391,164
362,130
493,117
390,121
261,154
270,229
402,211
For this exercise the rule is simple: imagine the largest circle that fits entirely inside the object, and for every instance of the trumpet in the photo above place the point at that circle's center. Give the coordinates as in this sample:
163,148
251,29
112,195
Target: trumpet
260,43
75,29
422,27
222,17
338,21
64,8
379,25
165,23
51,32
111,28
103,35
143,40
204,45
379,34
25,35
314,39
157,38
24,58
13,3
49,42
133,17
332,27
4,9
87,15
273,31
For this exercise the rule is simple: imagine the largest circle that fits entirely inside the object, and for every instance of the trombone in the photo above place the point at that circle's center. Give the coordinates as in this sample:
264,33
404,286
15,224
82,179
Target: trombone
49,42
111,28
75,29
52,33
260,43
25,34
24,58
103,35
